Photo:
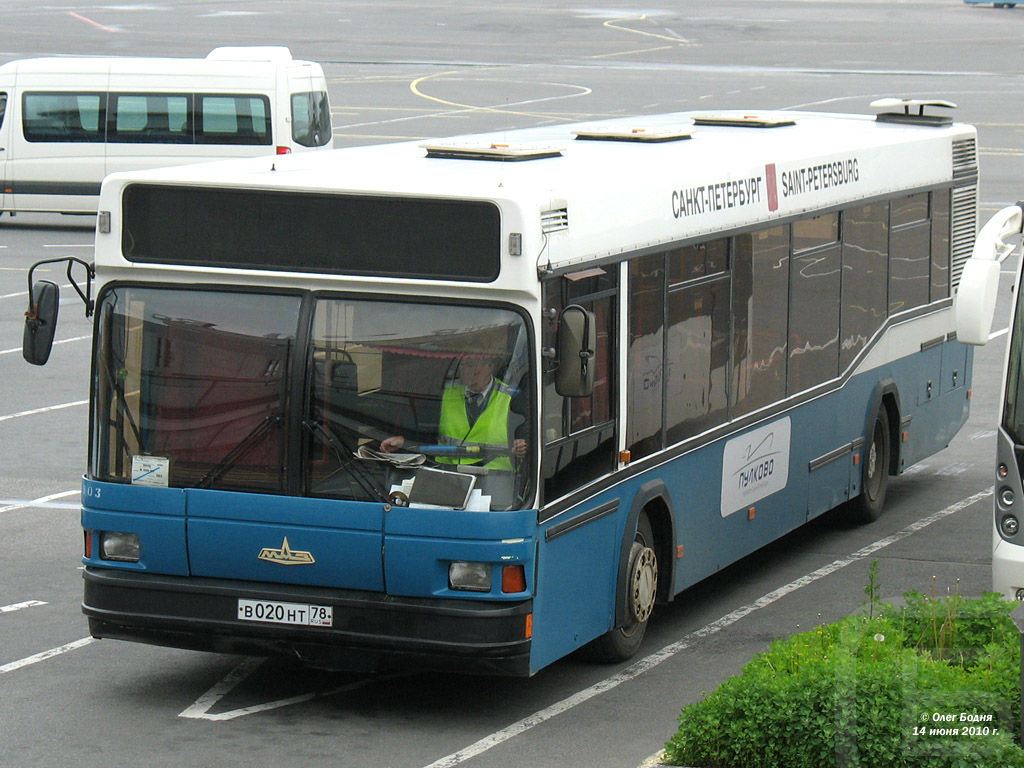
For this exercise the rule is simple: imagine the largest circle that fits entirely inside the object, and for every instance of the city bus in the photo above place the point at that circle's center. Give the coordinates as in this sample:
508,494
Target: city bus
67,121
702,330
974,310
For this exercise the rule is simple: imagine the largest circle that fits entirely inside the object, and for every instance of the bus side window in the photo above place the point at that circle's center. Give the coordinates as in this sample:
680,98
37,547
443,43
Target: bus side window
646,366
865,277
910,252
760,312
941,223
697,339
815,270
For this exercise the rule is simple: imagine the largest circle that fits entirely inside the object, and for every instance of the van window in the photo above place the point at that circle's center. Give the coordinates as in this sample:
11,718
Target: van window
233,120
311,119
64,116
3,107
150,118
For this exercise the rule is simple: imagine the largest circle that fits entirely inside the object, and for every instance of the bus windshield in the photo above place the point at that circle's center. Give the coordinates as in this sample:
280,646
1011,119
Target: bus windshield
250,392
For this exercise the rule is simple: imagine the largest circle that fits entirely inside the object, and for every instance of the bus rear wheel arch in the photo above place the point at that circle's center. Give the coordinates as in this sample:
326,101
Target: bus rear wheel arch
877,462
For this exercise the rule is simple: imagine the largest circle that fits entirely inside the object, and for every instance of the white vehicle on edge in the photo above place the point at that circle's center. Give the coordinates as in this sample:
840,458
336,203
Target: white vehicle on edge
66,122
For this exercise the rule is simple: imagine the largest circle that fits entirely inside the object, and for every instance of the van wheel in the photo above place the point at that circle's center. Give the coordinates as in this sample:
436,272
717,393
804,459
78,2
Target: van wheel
867,507
641,587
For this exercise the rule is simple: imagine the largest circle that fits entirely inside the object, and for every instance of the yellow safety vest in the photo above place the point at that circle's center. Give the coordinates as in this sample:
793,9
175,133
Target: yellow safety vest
489,431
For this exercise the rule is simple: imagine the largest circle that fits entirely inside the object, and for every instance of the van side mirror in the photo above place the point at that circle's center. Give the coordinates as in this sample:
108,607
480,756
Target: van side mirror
40,322
577,334
975,302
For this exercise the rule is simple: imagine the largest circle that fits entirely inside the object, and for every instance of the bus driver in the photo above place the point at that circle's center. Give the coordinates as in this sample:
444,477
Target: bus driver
475,411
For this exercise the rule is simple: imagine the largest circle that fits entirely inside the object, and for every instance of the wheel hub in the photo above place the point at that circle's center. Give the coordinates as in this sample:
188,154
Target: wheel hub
644,583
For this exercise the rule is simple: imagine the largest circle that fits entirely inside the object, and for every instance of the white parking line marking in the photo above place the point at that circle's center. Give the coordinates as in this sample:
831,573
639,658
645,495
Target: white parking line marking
200,710
650,662
62,341
42,501
18,606
47,409
14,665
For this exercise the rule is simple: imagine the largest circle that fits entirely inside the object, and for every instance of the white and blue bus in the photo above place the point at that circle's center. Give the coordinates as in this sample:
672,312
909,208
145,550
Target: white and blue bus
701,330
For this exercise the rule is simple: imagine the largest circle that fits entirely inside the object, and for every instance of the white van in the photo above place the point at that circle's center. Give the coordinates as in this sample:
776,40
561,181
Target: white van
66,122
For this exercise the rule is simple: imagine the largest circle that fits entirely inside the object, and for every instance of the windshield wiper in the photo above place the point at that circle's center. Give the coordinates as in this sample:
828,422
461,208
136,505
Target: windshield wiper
236,454
345,460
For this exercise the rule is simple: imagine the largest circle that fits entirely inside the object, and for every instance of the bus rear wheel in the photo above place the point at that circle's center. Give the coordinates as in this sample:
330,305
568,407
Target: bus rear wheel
867,507
641,589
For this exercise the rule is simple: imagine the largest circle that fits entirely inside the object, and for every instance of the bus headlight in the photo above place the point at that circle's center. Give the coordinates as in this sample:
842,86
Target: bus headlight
1006,496
1020,595
123,547
1009,525
470,577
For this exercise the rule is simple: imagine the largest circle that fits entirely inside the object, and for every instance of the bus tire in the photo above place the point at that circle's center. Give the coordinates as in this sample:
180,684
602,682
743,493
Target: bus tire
867,507
641,589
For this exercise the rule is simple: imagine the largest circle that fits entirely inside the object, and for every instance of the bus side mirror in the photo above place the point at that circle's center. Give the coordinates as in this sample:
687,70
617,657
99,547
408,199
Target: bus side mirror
40,322
975,303
577,332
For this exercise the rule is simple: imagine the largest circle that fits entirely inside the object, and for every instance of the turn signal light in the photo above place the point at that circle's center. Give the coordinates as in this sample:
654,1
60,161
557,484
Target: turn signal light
513,579
284,150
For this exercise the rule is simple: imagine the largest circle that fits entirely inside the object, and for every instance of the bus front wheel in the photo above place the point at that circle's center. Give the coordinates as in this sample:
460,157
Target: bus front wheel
641,589
867,507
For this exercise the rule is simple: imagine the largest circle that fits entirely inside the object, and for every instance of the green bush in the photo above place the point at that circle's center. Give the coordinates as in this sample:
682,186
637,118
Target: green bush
932,684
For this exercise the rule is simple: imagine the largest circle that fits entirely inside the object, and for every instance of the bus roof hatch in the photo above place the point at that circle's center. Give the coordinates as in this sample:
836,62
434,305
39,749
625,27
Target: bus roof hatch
906,116
456,150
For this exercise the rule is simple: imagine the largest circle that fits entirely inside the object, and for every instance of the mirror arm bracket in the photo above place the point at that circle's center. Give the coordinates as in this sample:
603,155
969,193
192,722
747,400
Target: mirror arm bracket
85,296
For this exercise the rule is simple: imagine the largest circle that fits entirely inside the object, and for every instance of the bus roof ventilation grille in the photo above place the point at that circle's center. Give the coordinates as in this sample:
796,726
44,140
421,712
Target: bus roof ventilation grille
965,162
744,119
908,116
554,220
491,151
964,231
638,135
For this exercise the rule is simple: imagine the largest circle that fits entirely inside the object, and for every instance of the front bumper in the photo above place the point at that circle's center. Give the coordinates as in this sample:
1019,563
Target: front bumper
371,631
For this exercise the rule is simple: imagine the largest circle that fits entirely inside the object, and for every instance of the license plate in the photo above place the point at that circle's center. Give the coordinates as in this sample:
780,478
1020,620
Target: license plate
272,612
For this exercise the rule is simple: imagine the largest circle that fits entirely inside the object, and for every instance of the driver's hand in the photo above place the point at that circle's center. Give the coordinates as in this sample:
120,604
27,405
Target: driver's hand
392,444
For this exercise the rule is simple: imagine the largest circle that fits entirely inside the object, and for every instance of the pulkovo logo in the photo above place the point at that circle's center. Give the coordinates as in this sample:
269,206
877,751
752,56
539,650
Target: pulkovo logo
755,465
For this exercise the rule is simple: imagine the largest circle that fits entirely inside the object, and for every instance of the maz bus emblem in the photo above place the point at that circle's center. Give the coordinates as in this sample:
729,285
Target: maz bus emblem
286,555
